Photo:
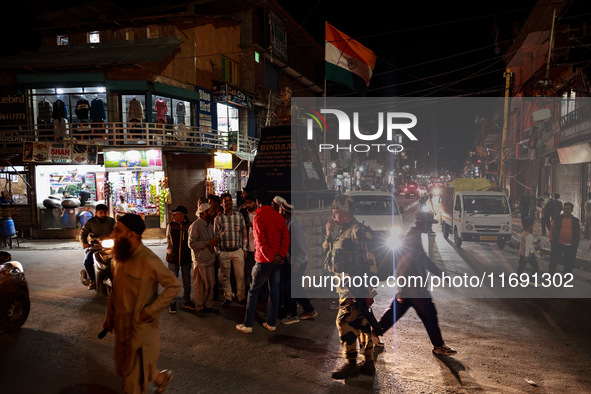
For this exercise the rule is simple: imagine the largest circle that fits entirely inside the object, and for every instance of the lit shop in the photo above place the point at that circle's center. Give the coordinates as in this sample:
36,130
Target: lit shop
221,178
62,172
137,177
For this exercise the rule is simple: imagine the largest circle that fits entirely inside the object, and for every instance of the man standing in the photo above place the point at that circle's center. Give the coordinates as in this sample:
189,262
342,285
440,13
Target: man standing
554,207
134,307
414,262
525,206
348,255
97,228
271,240
565,235
215,202
294,268
202,243
230,229
84,195
178,254
249,207
545,213
588,217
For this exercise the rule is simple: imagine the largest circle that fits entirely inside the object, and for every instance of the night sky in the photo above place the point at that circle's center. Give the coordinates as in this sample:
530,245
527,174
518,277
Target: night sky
425,49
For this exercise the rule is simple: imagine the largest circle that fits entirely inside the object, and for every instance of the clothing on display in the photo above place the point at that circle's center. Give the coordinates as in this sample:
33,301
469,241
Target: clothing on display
45,111
180,113
97,110
60,110
82,109
161,109
135,111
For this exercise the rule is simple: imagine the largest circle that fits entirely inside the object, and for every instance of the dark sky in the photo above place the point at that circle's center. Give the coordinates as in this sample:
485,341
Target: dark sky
425,49
421,46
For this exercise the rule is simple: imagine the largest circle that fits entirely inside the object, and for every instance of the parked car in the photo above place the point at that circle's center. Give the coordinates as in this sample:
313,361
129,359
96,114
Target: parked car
378,210
14,294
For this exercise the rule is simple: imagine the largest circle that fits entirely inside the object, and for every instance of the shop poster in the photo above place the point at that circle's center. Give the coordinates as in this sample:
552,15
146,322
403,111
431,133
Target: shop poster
60,152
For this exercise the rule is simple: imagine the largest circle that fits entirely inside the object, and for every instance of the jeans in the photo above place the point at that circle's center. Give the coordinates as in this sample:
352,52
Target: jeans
288,279
186,276
261,273
89,264
568,253
425,310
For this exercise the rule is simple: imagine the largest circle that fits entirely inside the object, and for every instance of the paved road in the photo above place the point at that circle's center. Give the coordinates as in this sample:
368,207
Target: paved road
500,342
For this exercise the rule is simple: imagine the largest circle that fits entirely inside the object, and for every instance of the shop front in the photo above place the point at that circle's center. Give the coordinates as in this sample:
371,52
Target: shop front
233,109
136,177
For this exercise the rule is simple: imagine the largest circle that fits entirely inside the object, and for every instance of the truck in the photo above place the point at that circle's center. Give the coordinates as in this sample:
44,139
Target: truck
473,211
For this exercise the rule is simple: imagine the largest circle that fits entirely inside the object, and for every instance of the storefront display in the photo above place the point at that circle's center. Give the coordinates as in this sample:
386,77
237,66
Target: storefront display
137,176
220,181
58,189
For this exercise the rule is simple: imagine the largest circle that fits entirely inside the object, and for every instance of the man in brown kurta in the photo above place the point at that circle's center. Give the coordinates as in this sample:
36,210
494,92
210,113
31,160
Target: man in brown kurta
134,306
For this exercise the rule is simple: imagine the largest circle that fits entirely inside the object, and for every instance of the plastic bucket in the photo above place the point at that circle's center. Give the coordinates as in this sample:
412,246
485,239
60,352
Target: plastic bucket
7,228
84,216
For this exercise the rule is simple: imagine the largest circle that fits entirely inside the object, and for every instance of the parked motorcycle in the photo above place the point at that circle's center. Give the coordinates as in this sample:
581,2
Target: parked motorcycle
14,294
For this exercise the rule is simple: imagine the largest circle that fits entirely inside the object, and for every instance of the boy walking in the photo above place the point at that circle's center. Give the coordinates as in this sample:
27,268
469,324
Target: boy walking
527,248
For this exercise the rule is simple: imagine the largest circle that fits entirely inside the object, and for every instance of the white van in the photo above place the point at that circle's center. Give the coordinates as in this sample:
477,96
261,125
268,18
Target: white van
379,211
476,216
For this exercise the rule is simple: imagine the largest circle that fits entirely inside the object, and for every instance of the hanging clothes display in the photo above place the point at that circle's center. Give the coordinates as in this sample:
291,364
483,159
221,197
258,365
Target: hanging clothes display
44,112
161,110
180,113
82,110
97,110
59,115
135,111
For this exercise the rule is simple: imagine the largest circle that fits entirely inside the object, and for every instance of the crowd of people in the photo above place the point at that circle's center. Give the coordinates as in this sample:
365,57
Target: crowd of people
258,247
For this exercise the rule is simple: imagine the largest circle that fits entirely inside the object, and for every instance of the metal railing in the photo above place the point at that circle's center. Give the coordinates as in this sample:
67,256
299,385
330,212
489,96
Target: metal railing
129,134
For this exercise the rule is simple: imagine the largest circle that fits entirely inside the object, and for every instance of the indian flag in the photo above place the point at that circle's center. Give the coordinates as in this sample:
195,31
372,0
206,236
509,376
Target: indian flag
347,61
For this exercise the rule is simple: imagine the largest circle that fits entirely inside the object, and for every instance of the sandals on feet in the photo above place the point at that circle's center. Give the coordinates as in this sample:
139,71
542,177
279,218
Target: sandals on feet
165,381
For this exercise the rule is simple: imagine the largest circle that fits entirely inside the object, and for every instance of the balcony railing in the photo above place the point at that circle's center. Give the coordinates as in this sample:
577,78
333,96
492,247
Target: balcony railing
129,134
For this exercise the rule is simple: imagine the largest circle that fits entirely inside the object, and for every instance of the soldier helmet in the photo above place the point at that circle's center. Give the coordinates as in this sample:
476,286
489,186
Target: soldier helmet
345,203
425,218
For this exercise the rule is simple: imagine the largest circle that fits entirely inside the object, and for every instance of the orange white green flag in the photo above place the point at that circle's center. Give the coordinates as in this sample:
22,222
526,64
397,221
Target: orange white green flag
347,61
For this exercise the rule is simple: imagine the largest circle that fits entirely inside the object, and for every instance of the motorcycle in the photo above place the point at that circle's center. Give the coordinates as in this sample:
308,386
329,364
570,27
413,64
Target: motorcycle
101,251
102,268
15,303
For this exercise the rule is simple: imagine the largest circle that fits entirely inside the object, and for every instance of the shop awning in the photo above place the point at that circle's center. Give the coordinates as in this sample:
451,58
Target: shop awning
116,53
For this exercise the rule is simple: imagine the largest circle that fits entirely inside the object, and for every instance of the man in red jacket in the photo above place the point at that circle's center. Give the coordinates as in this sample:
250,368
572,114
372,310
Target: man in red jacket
271,243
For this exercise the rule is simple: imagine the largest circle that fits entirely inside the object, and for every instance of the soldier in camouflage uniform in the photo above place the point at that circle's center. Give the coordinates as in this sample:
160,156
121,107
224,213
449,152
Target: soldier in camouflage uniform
348,255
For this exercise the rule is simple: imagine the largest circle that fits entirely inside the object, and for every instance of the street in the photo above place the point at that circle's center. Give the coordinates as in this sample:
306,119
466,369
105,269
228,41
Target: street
504,345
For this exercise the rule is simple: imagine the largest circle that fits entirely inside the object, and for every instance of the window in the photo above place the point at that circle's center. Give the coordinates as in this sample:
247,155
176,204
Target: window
568,102
229,70
62,40
14,185
94,37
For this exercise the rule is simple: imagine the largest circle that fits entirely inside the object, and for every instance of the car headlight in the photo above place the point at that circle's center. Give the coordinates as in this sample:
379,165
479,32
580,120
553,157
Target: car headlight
505,228
394,239
469,227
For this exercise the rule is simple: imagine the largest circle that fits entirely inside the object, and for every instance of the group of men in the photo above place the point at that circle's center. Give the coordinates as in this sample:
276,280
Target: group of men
563,228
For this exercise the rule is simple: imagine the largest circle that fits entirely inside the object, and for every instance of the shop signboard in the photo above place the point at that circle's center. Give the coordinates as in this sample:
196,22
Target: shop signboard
59,152
13,106
133,160
226,93
222,160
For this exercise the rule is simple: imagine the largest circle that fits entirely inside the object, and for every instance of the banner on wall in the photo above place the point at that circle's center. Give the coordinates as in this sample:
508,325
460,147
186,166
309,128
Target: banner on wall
60,152
133,160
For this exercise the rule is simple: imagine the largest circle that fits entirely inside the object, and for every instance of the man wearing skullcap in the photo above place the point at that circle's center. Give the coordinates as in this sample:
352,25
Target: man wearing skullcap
134,306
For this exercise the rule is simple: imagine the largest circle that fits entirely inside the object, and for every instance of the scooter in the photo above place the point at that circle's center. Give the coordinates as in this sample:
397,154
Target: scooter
102,268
